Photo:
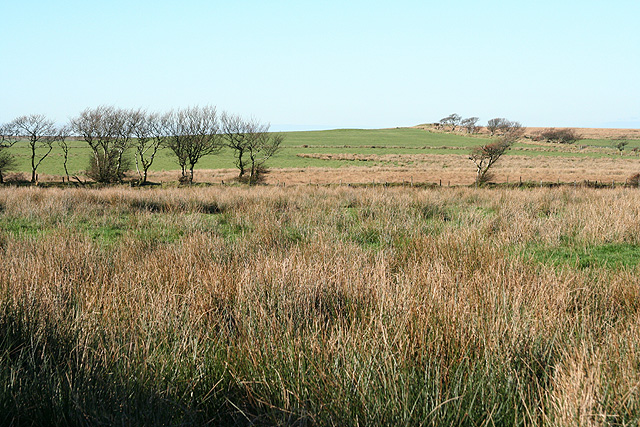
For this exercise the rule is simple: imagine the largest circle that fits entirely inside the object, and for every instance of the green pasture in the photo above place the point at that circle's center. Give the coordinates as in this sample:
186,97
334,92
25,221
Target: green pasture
404,141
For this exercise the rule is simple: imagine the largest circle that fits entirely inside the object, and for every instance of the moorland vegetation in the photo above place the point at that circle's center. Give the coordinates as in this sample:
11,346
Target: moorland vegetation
319,306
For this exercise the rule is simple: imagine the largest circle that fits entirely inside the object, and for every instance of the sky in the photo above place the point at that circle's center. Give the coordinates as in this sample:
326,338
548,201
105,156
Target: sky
305,65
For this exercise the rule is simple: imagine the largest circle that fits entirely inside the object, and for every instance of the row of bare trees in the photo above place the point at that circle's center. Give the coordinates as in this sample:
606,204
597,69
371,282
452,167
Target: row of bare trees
497,126
112,133
453,121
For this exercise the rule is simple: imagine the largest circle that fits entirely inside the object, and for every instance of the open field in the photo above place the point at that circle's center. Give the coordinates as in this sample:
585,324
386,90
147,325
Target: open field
319,306
392,155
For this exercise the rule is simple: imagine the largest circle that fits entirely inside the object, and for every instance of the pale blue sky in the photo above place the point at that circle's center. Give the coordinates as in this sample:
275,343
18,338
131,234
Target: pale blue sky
327,64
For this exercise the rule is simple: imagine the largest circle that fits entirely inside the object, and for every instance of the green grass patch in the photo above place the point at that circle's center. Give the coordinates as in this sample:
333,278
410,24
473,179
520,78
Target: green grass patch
21,226
368,238
610,256
229,229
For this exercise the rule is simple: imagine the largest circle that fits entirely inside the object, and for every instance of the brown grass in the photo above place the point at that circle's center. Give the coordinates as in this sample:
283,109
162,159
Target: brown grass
447,169
321,306
450,169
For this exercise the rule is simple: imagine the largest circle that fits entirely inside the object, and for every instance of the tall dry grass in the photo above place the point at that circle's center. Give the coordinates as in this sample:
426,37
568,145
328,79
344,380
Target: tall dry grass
316,306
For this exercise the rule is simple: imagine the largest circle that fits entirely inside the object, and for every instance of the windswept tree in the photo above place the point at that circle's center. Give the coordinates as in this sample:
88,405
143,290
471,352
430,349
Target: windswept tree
485,156
7,139
452,120
108,131
193,133
502,126
41,133
149,130
511,130
494,124
470,124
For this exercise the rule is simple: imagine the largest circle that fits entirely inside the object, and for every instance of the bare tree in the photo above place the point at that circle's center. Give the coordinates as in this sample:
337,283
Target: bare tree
193,133
261,146
470,124
452,120
234,131
511,130
494,124
7,139
150,134
108,131
64,146
503,126
486,156
41,133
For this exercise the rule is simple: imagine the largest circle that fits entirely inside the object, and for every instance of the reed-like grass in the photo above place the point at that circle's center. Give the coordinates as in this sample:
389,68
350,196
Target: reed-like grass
317,306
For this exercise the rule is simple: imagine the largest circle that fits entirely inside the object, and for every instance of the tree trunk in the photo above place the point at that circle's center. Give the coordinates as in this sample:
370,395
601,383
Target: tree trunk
241,163
65,167
33,164
253,172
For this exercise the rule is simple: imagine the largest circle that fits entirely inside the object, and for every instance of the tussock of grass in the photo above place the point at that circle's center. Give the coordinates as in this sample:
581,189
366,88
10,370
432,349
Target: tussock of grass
318,306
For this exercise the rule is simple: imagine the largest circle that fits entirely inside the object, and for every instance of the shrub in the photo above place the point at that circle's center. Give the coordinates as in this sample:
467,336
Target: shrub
106,169
634,179
562,136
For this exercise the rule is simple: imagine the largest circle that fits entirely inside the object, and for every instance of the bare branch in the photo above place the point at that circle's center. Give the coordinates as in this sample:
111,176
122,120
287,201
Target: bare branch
40,133
193,133
487,155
